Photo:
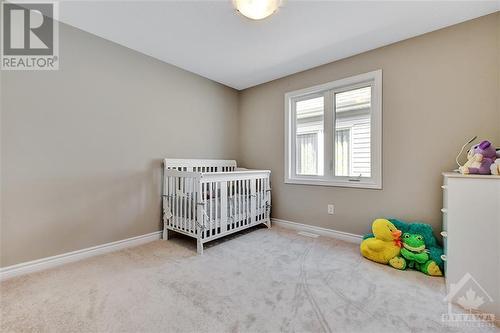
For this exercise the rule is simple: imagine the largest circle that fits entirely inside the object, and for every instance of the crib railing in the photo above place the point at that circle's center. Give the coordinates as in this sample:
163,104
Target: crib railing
194,165
180,200
233,201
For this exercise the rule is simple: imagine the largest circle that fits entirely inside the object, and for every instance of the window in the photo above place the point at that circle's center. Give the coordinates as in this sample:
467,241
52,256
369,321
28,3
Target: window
333,133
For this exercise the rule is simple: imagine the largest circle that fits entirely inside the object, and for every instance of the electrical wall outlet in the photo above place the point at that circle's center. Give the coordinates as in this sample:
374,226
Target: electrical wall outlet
331,209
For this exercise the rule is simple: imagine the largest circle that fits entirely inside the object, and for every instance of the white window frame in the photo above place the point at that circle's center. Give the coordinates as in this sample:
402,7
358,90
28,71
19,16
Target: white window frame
328,91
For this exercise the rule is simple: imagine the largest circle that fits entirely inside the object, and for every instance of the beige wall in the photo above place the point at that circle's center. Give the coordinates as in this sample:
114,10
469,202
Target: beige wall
439,89
81,147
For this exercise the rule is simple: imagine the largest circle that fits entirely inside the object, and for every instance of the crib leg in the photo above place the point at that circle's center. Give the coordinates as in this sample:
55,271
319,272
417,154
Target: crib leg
199,246
165,233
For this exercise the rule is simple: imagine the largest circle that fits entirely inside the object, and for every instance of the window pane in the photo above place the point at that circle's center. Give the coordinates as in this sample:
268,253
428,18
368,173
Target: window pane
342,151
352,133
309,136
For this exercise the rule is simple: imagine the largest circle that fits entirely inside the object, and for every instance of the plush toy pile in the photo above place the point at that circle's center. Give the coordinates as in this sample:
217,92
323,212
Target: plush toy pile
417,248
482,159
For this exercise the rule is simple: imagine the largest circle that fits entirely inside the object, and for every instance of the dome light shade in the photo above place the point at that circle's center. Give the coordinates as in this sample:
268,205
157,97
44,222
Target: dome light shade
256,9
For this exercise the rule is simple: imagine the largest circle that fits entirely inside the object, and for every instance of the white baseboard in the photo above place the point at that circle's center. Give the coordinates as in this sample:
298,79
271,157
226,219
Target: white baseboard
60,259
345,236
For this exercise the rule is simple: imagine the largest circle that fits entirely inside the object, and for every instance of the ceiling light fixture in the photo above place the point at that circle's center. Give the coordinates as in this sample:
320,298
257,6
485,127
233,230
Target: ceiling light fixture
256,9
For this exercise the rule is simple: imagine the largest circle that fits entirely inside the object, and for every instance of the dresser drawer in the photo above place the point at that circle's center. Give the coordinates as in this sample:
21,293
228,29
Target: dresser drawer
444,214
445,195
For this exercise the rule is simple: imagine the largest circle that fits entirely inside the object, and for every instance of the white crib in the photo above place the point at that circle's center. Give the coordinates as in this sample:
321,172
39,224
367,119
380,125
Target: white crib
208,199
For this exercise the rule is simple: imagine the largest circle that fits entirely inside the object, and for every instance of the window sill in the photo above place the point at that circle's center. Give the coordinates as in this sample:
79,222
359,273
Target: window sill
335,183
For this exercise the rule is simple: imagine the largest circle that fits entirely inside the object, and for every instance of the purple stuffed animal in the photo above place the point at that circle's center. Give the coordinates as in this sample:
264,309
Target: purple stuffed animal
479,159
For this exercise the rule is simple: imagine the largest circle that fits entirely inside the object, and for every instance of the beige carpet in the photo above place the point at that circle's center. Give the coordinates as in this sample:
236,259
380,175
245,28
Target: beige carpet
258,281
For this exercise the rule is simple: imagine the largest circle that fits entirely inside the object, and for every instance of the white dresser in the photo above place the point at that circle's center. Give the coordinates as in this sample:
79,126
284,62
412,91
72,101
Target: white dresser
471,236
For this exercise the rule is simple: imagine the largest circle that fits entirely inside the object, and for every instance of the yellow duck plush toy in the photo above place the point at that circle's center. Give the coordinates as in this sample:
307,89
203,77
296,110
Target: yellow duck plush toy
385,245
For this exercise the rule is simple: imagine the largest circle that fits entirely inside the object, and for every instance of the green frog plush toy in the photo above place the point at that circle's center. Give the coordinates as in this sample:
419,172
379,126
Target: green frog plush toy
414,255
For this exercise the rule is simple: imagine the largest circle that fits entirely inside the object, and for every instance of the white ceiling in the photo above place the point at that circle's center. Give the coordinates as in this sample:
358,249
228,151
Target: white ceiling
211,39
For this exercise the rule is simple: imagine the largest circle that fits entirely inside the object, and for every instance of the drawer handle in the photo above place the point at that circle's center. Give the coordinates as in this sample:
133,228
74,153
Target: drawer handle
444,234
443,257
444,187
444,210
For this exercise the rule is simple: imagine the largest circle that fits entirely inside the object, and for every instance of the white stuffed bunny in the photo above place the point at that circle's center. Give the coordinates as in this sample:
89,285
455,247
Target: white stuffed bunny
495,167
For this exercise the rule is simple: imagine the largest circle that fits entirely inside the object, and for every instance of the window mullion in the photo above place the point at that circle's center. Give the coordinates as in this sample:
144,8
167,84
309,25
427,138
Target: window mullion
329,120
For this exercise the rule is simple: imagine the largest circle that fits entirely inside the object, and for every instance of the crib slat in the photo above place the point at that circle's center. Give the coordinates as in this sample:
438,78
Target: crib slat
223,206
186,202
249,202
245,202
167,192
179,201
172,206
250,198
183,203
240,201
253,194
199,199
233,221
211,198
230,219
231,203
204,216
187,198
245,186
193,206
216,210
180,198
171,199
264,197
190,205
268,199
213,207
216,199
209,212
263,203
259,198
201,216
175,201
